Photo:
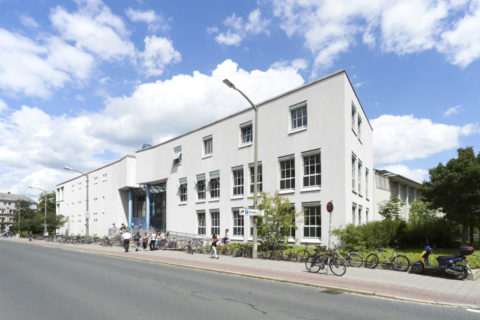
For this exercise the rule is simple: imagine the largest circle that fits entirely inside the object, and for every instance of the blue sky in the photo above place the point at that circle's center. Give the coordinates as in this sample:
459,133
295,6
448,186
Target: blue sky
83,83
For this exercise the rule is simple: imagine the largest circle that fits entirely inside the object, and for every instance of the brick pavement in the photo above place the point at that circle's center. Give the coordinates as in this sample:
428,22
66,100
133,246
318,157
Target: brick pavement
381,283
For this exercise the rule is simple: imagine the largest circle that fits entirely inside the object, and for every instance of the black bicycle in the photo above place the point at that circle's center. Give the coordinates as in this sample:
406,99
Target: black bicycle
399,262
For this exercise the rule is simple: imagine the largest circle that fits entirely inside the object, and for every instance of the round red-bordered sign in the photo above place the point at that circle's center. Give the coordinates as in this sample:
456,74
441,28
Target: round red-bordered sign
330,206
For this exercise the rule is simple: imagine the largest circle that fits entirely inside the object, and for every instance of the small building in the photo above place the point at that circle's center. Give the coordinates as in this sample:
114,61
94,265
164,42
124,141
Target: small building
389,185
314,146
9,207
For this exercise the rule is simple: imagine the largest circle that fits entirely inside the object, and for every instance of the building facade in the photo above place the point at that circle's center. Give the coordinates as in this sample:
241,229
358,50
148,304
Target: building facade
314,146
389,185
8,209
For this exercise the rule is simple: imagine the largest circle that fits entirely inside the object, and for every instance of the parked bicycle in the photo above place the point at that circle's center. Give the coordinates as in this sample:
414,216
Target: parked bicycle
399,262
353,259
331,258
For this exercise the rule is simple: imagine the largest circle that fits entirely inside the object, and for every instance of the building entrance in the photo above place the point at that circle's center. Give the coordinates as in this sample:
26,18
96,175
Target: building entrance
158,207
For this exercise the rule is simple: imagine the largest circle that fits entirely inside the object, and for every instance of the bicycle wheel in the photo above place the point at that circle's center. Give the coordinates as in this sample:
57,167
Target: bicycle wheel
312,263
371,261
337,266
401,263
355,259
302,255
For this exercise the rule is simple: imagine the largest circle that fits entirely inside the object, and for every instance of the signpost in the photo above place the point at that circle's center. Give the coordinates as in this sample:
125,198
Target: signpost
330,210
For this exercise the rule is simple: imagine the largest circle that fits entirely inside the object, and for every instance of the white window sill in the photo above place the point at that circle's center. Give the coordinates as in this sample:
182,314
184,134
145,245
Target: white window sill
237,238
214,200
291,191
236,198
207,156
184,203
297,130
311,240
245,145
311,189
291,240
200,201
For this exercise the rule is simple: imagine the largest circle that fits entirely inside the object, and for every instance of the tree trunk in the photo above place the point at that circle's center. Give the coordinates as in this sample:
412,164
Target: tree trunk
472,228
464,232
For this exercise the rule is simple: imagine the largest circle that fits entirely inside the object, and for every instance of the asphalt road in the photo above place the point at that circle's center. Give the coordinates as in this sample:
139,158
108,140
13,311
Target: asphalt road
44,283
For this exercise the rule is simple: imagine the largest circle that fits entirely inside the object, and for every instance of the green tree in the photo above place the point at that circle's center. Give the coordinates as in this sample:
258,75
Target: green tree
274,226
391,209
454,189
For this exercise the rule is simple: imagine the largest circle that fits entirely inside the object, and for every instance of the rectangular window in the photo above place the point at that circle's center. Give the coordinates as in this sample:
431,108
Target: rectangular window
246,133
366,182
237,181
177,155
354,165
238,223
311,170
183,189
215,219
207,146
359,129
201,222
312,226
354,113
359,177
214,184
354,211
359,215
298,115
201,187
366,215
292,212
287,174
259,177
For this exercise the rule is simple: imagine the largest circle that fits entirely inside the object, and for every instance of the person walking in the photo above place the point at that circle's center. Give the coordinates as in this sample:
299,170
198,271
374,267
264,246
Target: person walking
137,238
213,254
153,238
126,236
145,241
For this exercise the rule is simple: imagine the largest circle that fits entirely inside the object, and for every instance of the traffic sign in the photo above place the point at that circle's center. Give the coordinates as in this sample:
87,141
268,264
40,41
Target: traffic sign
330,206
251,212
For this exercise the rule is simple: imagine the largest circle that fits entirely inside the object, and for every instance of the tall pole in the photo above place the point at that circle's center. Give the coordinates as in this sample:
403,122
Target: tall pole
45,205
255,166
87,214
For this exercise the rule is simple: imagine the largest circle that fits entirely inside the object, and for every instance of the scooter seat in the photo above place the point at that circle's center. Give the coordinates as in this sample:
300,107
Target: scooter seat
443,258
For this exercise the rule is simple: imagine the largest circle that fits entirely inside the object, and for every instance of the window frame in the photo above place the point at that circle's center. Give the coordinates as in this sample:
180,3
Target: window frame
213,220
243,127
183,191
307,218
238,223
307,176
354,114
284,179
201,181
259,177
207,144
354,173
199,224
238,182
298,121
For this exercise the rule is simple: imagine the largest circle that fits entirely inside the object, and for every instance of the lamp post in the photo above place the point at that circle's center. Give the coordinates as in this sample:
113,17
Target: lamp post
87,215
255,164
45,205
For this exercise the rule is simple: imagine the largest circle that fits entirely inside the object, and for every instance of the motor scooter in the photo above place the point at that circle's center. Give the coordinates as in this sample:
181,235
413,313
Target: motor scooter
455,266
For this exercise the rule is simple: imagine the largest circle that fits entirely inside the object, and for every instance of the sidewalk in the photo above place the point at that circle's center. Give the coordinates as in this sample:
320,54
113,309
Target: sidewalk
381,283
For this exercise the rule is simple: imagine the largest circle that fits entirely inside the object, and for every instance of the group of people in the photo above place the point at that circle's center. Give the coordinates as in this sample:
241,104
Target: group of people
161,241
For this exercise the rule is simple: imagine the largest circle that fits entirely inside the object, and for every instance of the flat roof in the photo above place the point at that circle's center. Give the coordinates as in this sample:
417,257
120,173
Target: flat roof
107,165
263,103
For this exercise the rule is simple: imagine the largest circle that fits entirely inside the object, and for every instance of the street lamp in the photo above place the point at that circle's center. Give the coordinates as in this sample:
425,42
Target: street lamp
87,215
45,204
255,164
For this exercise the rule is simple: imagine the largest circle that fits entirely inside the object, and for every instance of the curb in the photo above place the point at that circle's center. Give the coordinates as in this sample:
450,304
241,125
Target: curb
262,277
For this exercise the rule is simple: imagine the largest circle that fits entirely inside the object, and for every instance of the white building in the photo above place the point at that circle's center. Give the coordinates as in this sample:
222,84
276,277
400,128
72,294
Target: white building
315,146
8,209
389,185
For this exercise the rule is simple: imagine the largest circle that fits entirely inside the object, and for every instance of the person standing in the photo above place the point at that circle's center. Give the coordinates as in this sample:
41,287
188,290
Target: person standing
226,237
137,238
153,238
145,241
126,236
213,254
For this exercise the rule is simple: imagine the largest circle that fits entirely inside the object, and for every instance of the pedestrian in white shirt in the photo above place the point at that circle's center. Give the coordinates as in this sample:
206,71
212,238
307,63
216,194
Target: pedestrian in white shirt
126,236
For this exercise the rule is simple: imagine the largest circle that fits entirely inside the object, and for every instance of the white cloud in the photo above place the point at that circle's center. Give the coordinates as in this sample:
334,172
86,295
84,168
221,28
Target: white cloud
28,22
452,110
154,21
158,53
238,29
94,28
400,138
418,175
330,27
35,146
3,106
35,69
